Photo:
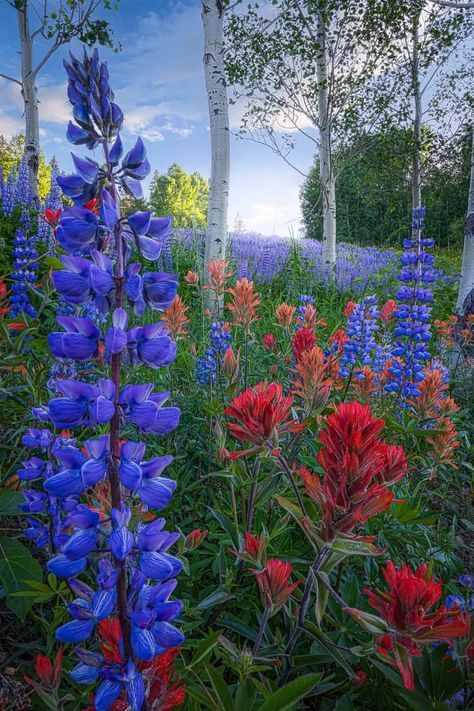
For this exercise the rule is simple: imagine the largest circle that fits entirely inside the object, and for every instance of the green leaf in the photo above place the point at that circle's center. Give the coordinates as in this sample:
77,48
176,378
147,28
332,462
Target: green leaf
289,694
227,526
344,704
333,652
322,596
53,263
215,598
221,688
9,501
205,647
17,566
351,547
245,695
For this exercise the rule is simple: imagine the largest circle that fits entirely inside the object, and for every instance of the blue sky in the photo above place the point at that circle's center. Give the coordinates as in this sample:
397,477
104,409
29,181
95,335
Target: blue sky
158,81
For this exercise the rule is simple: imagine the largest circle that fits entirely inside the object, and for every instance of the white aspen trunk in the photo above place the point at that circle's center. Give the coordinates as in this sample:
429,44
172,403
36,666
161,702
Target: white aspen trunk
216,88
416,166
30,98
326,168
465,301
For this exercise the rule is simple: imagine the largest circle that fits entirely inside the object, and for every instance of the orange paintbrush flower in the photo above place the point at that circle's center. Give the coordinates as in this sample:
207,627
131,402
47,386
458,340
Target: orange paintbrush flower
192,278
284,314
309,318
218,276
364,383
386,312
244,302
444,444
175,318
312,384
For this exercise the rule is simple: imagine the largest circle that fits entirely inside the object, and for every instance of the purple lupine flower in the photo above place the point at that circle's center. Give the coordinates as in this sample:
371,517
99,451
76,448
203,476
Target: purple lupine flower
151,345
97,274
144,408
79,342
83,404
413,317
25,267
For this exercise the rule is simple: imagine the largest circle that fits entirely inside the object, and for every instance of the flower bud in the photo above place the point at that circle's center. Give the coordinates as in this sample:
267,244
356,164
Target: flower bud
194,539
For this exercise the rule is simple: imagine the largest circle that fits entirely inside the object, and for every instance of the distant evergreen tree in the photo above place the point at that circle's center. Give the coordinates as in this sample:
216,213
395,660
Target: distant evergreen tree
373,191
181,195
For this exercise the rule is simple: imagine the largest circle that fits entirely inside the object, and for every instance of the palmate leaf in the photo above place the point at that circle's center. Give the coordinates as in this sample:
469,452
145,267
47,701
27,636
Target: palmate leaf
17,566
9,501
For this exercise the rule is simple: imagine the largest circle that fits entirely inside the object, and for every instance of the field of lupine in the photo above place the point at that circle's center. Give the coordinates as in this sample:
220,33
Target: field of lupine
236,486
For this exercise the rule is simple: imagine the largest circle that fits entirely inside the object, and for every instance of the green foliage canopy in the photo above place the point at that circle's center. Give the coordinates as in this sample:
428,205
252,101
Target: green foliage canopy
373,190
181,195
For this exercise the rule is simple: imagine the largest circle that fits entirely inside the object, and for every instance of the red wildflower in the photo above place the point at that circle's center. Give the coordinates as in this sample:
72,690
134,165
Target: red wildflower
349,308
407,608
358,468
274,584
16,326
48,672
263,416
244,302
255,548
164,694
303,341
386,312
361,679
52,217
270,343
93,205
192,278
194,539
284,314
175,318
339,337
3,293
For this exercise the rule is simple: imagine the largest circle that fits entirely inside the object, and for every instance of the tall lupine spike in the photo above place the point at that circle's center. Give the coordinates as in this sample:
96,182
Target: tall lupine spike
25,267
134,571
412,330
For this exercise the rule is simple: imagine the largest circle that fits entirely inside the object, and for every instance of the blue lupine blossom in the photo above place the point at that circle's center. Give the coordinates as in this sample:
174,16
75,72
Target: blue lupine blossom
25,266
412,331
8,196
23,192
361,348
207,368
134,571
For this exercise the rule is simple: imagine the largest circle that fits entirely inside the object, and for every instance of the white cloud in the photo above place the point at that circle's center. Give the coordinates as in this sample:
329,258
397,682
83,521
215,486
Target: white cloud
152,134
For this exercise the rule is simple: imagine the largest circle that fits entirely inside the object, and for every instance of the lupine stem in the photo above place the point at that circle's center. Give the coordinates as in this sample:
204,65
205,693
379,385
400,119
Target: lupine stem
114,461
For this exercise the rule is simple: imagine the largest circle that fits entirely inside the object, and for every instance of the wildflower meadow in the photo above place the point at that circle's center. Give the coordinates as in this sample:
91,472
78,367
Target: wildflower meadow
236,480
